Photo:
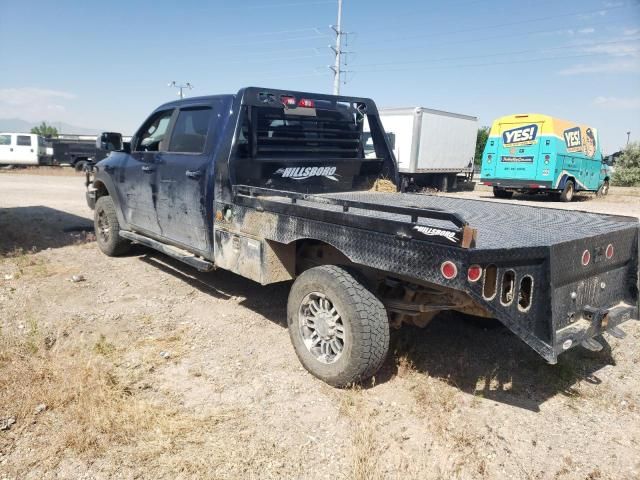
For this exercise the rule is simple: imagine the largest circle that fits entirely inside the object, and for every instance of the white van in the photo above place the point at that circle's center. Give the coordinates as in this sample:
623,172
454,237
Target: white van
22,149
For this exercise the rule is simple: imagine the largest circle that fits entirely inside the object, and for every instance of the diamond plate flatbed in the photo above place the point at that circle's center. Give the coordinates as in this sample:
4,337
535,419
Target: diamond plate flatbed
499,225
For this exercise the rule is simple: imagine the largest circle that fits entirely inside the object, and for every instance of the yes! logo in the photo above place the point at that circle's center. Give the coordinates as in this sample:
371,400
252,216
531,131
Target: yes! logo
573,139
520,136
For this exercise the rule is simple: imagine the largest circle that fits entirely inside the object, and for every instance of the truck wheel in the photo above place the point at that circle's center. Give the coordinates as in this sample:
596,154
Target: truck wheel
501,193
339,329
567,193
79,165
107,228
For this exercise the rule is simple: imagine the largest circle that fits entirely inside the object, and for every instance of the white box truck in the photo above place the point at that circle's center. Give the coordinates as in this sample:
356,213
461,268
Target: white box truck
433,148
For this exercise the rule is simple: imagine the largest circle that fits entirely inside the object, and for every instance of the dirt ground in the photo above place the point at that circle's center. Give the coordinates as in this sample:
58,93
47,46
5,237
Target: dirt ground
144,368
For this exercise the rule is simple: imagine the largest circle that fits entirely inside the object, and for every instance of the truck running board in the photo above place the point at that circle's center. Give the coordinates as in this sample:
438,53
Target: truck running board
174,252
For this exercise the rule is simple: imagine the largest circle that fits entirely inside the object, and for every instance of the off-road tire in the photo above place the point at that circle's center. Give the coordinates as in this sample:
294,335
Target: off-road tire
111,243
501,193
365,322
568,191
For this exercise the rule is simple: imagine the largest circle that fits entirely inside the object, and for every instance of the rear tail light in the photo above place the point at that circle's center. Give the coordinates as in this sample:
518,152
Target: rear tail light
306,103
288,101
546,159
609,251
449,270
474,273
586,257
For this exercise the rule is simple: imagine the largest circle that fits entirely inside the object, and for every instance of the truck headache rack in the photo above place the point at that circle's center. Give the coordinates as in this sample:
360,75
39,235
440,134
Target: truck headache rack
459,233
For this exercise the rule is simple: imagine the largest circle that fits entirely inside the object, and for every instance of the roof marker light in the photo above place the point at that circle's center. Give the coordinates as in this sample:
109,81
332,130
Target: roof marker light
306,103
288,101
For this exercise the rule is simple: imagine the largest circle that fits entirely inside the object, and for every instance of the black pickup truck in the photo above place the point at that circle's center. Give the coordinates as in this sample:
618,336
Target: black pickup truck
275,186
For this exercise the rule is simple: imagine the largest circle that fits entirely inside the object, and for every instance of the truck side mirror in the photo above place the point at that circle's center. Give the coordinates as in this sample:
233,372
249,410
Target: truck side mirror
109,141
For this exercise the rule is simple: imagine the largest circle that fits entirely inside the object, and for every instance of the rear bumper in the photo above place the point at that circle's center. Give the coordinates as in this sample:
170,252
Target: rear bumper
517,184
593,322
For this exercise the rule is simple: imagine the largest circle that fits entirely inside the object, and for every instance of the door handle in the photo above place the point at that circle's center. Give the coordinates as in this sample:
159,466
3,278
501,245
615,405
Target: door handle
195,174
147,169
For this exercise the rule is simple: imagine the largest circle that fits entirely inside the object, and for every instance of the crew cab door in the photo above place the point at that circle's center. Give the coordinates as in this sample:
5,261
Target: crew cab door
182,176
140,184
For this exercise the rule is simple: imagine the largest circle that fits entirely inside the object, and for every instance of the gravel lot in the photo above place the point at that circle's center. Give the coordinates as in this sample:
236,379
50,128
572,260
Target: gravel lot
144,368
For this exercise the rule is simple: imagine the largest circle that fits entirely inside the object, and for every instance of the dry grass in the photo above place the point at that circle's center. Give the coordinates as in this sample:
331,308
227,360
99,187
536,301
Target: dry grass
96,411
364,450
23,263
383,185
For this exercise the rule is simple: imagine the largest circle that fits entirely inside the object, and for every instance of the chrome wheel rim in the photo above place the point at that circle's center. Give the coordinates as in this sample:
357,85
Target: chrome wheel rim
321,328
103,230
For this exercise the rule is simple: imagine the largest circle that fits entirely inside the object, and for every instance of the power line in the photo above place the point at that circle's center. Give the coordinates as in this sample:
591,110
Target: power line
487,64
278,5
490,37
559,47
279,40
485,27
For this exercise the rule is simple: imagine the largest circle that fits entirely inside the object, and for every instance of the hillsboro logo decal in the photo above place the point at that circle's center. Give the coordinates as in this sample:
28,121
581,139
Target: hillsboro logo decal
302,173
437,232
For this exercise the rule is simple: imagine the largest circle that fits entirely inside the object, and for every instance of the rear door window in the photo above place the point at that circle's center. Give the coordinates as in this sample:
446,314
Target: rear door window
5,139
190,132
24,141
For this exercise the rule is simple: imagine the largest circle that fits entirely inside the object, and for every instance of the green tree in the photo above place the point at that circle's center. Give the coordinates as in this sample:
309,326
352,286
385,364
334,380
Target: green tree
481,141
627,168
45,130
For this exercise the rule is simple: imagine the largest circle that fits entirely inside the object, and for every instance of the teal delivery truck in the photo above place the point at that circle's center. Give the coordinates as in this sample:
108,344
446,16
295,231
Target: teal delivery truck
536,153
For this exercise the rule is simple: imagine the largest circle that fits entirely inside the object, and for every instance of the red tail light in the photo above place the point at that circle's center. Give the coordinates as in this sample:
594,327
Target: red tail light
306,103
586,257
474,273
288,101
609,251
449,270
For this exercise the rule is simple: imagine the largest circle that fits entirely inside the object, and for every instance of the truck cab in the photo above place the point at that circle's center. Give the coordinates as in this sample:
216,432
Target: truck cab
22,149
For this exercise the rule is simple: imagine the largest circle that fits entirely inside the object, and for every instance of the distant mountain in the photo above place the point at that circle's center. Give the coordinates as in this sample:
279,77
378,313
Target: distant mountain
19,125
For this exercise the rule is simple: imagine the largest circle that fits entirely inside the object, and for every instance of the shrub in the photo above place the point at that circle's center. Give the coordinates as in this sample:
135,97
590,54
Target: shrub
627,168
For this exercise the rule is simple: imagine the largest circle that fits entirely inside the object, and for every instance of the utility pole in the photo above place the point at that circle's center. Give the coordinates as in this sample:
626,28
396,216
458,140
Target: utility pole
337,50
180,87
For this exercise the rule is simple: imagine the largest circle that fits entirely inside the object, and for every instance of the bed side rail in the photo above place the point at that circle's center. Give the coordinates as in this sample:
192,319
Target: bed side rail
460,234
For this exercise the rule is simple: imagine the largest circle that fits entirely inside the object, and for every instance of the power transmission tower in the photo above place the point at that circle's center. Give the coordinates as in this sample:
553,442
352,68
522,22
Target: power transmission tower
337,50
180,87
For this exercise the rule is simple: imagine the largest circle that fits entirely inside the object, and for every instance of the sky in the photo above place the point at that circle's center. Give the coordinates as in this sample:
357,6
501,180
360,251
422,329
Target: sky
106,65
